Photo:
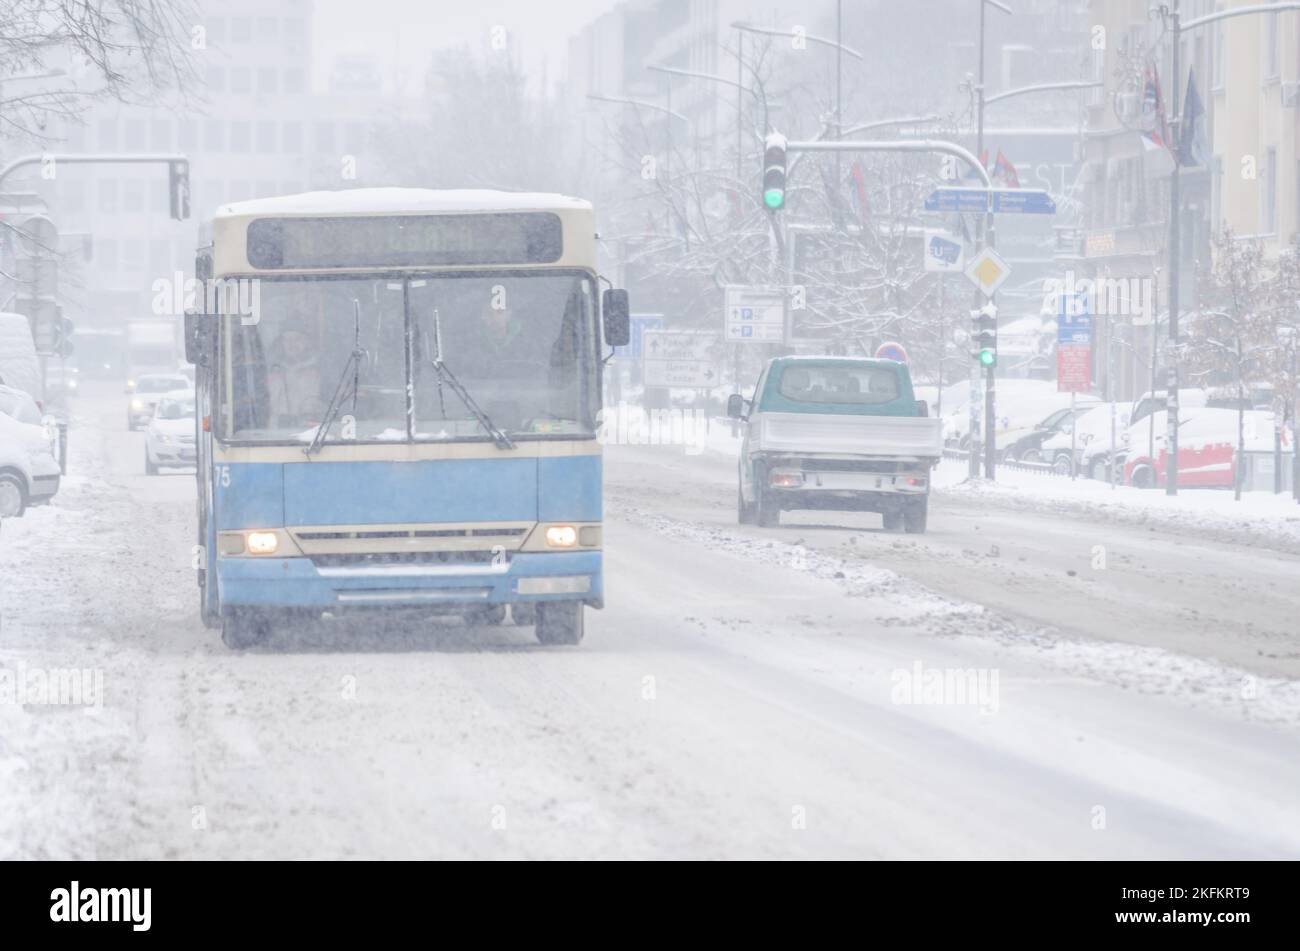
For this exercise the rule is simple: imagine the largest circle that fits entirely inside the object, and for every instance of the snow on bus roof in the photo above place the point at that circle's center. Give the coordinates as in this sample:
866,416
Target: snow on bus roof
356,201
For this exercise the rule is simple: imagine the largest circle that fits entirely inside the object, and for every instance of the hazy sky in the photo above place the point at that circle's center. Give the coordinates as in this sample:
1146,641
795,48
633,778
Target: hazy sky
409,30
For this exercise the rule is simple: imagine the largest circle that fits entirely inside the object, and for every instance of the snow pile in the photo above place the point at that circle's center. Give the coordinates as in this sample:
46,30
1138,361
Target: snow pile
1259,518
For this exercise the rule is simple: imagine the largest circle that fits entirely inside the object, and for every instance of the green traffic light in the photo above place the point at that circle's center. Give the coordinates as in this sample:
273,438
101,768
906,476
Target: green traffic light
988,357
774,198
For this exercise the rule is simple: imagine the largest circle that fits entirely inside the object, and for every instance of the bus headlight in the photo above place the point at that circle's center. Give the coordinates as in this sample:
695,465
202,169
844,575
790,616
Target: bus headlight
561,536
263,543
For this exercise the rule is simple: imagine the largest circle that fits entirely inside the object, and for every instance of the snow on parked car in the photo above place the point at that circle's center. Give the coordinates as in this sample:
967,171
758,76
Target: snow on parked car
1207,446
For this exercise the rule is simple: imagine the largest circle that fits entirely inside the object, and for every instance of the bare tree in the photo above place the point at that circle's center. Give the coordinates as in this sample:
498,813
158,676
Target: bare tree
124,49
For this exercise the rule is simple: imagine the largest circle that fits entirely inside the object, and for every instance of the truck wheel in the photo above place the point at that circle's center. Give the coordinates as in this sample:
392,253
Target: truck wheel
893,520
523,613
766,512
744,513
491,614
242,628
13,496
559,622
914,518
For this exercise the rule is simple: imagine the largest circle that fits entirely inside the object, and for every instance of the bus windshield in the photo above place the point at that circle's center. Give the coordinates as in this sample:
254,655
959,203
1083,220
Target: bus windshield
520,344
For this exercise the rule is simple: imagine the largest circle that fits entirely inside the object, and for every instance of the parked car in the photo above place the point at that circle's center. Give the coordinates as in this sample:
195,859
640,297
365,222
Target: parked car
169,440
1024,443
146,393
1090,434
1207,447
836,433
19,365
29,472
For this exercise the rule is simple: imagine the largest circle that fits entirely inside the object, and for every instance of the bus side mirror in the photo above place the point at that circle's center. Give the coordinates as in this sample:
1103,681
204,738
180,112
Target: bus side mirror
736,406
199,337
616,312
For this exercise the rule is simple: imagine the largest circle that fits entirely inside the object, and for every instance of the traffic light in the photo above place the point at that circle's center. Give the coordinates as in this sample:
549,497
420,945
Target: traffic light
984,335
774,172
178,189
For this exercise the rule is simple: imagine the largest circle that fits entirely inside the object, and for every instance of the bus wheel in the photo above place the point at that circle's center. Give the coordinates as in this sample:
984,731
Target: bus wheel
559,622
523,613
242,628
491,614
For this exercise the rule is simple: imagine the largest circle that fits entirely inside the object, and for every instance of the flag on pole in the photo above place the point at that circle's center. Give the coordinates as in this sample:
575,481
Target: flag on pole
1153,110
1193,144
1005,172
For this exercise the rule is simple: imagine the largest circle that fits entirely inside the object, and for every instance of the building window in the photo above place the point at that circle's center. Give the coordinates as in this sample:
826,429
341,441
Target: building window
292,137
268,82
106,253
214,135
132,254
240,136
216,79
132,196
293,82
187,135
108,134
133,135
159,200
108,196
266,136
268,29
265,190
160,135
240,191
241,80
216,31
241,29
324,137
1268,193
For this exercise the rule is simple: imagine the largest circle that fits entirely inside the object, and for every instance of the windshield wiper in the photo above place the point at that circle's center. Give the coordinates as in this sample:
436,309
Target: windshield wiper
499,438
351,368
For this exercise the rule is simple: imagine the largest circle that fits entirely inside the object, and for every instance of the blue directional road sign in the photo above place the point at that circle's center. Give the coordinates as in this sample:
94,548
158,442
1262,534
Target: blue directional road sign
1074,320
640,323
1000,201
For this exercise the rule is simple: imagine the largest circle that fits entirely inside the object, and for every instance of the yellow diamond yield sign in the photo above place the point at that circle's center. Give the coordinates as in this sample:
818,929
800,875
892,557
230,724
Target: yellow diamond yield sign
988,272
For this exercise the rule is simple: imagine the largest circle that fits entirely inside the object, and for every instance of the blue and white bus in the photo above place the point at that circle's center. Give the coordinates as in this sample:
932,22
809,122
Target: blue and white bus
397,395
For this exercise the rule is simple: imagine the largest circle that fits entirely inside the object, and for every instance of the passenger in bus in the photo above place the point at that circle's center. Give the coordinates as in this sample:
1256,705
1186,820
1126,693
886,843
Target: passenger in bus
294,379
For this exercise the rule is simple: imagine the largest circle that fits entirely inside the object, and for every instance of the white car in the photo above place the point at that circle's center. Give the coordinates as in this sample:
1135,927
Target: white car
169,440
147,391
29,473
1091,441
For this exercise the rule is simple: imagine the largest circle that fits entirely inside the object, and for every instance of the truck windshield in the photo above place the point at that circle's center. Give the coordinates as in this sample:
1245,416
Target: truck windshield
829,383
517,343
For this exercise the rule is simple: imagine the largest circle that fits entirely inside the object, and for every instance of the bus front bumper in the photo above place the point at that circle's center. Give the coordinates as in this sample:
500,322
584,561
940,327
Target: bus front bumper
297,582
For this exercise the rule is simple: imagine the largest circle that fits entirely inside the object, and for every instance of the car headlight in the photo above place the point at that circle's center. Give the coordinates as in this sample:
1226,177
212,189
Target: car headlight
561,536
162,437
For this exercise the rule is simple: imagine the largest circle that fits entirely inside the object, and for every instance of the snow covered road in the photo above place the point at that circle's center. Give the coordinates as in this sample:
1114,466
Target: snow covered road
747,692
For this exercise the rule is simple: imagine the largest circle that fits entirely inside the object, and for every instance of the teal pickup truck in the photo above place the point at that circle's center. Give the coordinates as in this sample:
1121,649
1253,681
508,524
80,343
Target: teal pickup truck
838,433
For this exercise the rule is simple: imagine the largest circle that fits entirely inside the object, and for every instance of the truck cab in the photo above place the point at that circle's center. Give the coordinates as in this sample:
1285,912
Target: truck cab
836,433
